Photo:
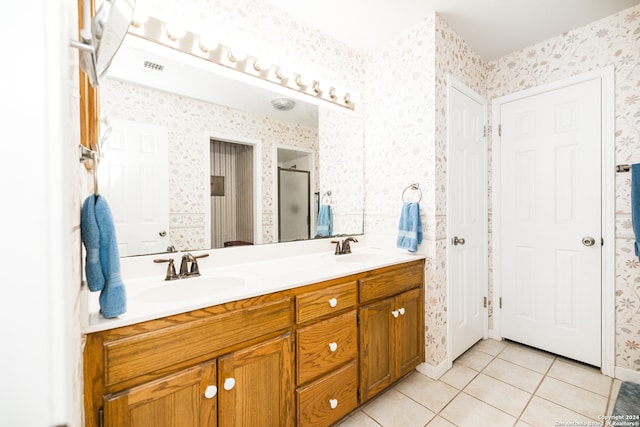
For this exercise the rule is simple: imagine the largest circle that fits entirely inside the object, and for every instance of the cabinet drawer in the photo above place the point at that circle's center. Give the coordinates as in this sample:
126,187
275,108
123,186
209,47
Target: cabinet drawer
315,304
145,355
325,401
390,283
326,345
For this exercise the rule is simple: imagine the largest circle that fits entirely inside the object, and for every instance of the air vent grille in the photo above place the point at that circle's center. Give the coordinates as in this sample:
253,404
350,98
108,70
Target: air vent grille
153,66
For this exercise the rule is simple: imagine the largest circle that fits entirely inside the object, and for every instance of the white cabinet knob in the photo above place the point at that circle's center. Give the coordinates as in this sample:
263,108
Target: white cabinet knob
333,403
401,310
395,313
229,383
333,302
333,346
211,391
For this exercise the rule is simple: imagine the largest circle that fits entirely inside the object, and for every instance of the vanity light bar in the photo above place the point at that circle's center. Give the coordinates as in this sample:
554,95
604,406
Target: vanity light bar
158,31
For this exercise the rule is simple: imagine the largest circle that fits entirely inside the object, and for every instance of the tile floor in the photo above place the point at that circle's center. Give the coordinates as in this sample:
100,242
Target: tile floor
495,383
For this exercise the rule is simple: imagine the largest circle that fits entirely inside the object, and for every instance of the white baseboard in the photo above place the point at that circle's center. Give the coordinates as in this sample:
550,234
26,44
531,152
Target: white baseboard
628,375
494,335
434,372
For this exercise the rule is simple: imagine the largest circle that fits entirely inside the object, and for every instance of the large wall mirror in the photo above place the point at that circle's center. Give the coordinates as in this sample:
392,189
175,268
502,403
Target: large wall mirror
197,157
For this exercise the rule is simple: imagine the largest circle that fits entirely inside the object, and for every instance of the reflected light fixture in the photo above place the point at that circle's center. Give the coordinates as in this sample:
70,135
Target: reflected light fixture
283,104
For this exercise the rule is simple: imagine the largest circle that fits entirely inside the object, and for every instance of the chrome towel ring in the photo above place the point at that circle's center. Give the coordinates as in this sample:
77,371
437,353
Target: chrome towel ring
413,187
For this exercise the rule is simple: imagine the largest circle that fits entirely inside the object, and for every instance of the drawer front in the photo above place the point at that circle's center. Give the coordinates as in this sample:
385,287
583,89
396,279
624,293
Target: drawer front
315,304
147,354
325,401
390,283
326,345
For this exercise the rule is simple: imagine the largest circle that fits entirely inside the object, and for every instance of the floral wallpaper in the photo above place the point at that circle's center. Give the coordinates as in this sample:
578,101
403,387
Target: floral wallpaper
186,120
612,40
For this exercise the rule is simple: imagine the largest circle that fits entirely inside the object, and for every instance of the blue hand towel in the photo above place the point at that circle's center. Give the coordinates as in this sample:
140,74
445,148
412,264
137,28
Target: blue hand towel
91,239
635,205
113,297
325,221
410,229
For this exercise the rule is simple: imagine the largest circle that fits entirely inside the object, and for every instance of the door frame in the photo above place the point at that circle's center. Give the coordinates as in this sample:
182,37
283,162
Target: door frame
607,155
454,84
257,181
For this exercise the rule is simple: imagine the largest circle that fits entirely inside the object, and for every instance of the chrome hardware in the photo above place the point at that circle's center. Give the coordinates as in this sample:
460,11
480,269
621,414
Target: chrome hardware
457,241
171,248
171,269
162,233
344,247
588,241
185,271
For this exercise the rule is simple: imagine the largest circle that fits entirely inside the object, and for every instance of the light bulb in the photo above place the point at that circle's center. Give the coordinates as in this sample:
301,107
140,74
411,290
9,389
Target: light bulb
237,53
208,41
283,72
261,64
176,30
303,79
141,13
338,92
324,86
352,97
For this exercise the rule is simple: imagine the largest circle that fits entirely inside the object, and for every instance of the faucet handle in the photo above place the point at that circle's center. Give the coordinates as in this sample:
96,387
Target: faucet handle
338,250
171,268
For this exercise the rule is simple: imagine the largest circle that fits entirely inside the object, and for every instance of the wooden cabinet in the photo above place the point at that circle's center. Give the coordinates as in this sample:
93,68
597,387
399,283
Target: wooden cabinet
306,356
391,331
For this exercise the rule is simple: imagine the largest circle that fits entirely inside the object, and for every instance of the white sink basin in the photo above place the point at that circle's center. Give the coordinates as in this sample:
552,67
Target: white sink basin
188,289
361,258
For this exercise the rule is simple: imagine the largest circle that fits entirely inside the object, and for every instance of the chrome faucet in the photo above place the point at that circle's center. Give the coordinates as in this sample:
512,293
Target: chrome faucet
344,247
186,270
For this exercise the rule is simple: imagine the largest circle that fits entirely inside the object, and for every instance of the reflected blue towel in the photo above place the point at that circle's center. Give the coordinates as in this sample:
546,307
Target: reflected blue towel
410,229
113,298
91,238
325,221
635,205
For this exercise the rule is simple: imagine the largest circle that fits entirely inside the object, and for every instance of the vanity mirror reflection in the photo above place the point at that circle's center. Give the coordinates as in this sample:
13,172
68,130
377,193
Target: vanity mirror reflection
195,150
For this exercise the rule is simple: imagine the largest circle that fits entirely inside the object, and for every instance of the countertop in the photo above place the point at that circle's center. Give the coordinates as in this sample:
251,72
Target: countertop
149,296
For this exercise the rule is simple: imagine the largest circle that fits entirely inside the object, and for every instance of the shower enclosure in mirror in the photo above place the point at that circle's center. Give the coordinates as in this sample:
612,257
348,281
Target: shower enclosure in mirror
189,101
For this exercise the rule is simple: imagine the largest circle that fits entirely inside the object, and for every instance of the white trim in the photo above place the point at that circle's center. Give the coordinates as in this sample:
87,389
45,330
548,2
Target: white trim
257,181
627,375
606,76
434,372
454,83
312,185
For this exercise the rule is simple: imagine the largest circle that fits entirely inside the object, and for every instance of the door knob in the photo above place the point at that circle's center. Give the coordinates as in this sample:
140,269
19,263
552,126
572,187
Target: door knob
211,391
457,240
333,346
229,383
333,302
588,241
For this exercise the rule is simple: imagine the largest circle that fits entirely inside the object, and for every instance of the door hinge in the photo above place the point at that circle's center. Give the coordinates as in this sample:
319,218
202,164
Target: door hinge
602,241
484,132
100,418
499,130
484,302
500,301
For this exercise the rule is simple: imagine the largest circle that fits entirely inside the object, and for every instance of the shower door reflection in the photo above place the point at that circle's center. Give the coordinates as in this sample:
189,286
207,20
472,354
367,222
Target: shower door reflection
294,205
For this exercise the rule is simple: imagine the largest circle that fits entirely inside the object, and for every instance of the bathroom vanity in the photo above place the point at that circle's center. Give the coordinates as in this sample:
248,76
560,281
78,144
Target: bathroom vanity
304,355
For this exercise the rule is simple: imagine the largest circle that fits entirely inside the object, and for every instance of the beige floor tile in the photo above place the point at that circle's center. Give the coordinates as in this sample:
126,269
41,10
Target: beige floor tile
459,376
523,424
467,411
541,412
501,395
572,397
516,375
610,406
475,359
581,375
433,394
358,419
526,357
490,346
615,389
440,422
394,409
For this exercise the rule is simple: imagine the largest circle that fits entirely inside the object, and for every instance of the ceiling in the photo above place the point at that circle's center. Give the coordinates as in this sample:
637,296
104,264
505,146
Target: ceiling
492,28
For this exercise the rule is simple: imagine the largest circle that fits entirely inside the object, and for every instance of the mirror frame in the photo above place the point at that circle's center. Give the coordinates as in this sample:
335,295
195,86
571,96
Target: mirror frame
89,99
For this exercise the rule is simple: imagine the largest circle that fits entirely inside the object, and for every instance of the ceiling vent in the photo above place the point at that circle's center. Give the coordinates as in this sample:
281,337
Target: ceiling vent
153,66
283,104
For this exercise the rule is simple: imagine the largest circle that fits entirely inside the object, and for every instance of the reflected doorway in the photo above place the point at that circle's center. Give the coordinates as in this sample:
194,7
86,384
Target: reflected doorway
232,194
294,194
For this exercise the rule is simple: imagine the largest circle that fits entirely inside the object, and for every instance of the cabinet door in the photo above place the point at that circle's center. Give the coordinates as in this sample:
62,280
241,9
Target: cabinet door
179,400
408,332
256,385
376,349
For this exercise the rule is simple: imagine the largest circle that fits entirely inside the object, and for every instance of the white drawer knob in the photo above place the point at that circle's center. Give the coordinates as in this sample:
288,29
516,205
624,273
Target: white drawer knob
229,383
395,313
333,403
210,391
333,302
401,310
333,346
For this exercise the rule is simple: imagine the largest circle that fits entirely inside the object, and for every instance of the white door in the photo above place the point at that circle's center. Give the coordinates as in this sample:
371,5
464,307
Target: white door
467,223
133,177
550,210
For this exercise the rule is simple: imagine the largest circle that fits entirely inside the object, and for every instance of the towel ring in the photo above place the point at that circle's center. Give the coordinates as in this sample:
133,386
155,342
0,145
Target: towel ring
328,194
414,187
